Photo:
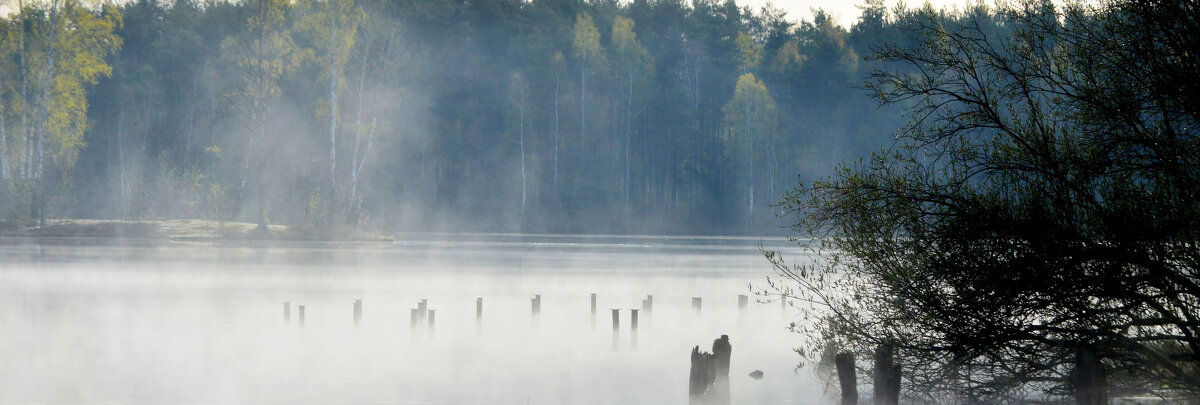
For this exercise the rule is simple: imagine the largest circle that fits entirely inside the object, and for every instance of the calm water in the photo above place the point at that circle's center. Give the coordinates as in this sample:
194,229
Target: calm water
180,323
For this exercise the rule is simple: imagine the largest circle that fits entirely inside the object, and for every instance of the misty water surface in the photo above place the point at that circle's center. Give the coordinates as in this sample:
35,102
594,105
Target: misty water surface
173,323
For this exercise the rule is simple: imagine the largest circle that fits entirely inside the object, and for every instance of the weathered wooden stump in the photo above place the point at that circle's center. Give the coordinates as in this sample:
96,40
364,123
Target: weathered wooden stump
432,316
887,376
633,326
479,315
847,379
357,312
287,312
593,311
616,318
301,310
722,350
701,377
743,300
696,305
708,381
1088,379
535,307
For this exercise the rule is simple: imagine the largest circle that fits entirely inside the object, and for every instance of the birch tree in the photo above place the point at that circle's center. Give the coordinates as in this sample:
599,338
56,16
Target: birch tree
559,65
376,43
518,92
63,46
333,27
749,118
586,43
634,62
262,53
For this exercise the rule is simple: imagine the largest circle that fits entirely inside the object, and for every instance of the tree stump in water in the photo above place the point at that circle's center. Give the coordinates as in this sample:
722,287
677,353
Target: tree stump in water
1088,378
846,378
708,383
887,376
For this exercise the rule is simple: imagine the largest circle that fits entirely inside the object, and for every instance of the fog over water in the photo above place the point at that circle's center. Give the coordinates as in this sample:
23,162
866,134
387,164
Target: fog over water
174,323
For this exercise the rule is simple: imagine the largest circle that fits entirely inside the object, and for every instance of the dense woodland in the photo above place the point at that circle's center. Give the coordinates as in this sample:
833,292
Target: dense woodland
656,116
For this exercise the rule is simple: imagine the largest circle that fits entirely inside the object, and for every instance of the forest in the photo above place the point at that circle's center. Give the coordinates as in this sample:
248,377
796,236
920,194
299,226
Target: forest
552,116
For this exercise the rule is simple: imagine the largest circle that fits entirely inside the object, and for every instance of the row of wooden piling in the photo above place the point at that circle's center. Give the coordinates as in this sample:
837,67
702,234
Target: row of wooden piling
422,314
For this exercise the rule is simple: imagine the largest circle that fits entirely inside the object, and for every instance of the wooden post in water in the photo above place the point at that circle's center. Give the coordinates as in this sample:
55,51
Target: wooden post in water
847,379
648,309
301,308
708,380
633,326
535,306
422,306
1088,379
432,314
414,318
593,311
287,312
357,312
700,376
696,305
887,376
722,351
616,315
742,301
479,315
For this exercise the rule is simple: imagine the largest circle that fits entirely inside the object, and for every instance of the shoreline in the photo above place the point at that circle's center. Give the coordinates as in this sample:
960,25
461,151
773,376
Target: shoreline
183,231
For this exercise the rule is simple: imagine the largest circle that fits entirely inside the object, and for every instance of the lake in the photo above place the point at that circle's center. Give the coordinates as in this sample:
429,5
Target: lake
85,321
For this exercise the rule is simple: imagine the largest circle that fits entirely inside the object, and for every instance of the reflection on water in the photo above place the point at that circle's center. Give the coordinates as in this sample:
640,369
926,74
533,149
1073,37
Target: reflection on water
174,323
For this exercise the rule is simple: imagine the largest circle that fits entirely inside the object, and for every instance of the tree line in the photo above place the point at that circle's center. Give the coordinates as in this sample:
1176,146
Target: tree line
499,115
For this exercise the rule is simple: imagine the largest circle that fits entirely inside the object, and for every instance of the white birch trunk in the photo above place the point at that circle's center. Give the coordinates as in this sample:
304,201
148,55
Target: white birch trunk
333,110
3,148
358,118
121,163
582,101
45,116
628,135
557,79
522,143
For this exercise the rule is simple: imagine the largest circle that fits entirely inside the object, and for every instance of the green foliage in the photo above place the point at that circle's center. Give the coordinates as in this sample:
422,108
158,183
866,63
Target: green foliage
85,39
586,41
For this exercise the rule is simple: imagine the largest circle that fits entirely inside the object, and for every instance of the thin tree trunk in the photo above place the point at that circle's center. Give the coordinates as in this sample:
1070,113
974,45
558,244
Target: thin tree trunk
121,163
557,79
262,183
582,110
3,150
191,126
45,116
522,142
246,156
333,111
628,135
749,135
358,118
23,160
